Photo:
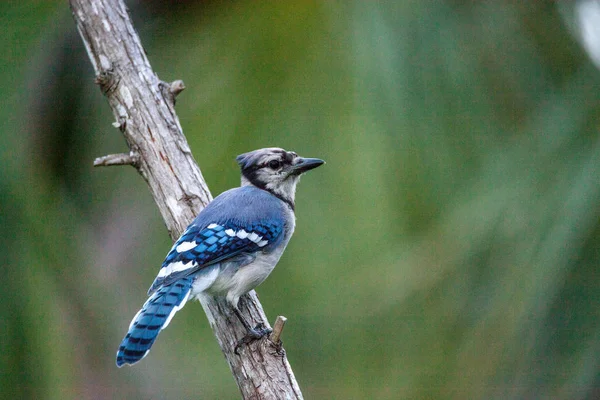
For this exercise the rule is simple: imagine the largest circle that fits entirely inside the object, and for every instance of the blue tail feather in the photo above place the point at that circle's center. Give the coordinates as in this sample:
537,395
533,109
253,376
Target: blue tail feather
154,316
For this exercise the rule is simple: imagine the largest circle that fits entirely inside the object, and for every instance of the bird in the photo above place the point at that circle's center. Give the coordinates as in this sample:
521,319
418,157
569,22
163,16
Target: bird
229,249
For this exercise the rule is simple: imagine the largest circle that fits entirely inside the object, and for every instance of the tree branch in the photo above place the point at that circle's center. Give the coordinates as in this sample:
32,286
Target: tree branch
117,159
278,329
144,110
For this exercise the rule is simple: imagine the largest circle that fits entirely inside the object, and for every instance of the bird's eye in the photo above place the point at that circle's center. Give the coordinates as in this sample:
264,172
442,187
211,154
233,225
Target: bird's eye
274,164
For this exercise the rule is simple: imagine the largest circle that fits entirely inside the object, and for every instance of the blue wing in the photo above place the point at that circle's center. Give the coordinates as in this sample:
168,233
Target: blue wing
202,246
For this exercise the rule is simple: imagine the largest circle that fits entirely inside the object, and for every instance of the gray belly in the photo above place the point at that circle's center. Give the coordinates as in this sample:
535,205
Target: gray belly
239,276
234,280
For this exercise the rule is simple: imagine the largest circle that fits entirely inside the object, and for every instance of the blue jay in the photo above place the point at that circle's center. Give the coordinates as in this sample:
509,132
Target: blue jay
229,249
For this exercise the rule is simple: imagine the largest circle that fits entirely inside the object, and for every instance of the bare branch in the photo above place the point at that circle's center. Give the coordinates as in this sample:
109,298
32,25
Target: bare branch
177,87
117,159
278,329
144,109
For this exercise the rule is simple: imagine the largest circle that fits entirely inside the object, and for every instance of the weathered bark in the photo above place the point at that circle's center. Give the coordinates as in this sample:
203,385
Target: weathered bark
144,110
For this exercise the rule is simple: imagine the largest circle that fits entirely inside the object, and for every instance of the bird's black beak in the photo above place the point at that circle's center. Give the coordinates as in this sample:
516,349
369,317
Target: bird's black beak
301,165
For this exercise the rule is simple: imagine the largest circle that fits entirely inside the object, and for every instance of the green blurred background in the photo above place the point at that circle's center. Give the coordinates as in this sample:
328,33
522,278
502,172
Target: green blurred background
449,249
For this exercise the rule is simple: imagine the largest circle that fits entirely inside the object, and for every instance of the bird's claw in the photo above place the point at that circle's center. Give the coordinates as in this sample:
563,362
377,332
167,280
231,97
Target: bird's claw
253,334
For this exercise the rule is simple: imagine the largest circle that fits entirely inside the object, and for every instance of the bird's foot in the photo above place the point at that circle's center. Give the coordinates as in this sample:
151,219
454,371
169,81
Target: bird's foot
253,334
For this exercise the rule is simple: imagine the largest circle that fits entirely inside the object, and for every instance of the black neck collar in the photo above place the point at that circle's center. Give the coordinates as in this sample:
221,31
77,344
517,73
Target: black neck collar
289,202
262,186
286,201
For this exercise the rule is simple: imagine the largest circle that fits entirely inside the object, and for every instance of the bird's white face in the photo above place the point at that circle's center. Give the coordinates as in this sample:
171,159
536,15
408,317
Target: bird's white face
275,170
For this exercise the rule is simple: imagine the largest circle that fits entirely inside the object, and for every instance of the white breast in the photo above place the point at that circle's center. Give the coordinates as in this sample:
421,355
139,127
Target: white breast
250,276
234,280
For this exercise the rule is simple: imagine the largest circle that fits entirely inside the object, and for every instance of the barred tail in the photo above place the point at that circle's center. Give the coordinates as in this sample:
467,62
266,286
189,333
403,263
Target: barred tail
154,316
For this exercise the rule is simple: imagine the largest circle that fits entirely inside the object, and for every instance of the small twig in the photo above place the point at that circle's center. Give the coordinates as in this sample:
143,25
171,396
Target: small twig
177,87
117,159
171,90
278,329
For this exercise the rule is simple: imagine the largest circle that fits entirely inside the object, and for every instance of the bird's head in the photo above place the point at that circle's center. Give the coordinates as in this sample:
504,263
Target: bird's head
275,170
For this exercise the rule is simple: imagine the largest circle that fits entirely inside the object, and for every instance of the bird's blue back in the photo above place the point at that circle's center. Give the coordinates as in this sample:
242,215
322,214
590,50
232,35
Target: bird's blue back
241,220
245,208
